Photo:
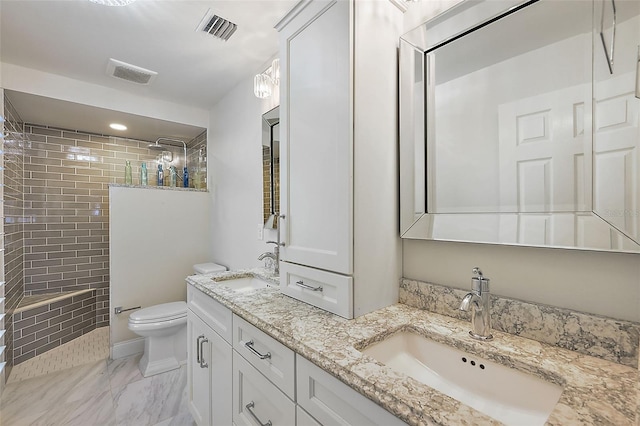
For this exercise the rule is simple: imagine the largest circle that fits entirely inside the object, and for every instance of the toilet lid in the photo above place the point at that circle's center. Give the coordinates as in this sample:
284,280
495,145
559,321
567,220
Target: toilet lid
165,311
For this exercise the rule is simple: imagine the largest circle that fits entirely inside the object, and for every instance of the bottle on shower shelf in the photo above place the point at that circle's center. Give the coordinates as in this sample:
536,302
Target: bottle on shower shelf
185,177
160,175
144,179
127,173
173,176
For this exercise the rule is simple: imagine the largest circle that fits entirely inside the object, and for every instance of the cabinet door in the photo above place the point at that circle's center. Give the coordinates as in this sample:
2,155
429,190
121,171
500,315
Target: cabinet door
209,374
219,359
256,400
316,137
197,377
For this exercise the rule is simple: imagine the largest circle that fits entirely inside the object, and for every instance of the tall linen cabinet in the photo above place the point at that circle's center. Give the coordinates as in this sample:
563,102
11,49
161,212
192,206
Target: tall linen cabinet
339,176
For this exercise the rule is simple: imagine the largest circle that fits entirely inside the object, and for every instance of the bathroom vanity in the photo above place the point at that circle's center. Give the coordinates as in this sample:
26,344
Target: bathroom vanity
316,369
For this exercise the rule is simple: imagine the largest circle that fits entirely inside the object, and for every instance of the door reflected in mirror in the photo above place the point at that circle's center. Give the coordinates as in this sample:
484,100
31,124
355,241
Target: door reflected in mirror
515,129
271,167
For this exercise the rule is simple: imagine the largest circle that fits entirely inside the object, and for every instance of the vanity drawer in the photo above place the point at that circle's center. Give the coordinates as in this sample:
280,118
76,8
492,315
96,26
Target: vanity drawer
304,419
213,313
279,366
332,402
326,290
253,393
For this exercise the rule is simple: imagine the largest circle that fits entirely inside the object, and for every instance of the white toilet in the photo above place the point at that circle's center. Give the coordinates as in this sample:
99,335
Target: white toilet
164,328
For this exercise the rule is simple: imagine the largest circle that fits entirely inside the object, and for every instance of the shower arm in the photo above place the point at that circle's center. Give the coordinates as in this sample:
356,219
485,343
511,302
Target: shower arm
184,145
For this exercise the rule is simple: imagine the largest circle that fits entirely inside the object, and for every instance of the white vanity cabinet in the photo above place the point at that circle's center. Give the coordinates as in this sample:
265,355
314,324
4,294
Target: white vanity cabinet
338,177
209,359
239,375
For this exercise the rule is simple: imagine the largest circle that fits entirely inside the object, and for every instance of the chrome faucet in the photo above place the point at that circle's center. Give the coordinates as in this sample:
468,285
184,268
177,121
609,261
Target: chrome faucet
479,301
275,256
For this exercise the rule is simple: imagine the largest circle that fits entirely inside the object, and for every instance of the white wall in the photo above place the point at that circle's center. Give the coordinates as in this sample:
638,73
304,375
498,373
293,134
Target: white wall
55,86
235,177
155,237
600,283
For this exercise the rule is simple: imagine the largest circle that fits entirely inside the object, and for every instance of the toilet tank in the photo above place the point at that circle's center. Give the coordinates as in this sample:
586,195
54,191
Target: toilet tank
208,268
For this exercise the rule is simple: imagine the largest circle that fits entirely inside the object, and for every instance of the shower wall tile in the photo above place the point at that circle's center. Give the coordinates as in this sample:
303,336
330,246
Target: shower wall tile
45,327
66,202
13,244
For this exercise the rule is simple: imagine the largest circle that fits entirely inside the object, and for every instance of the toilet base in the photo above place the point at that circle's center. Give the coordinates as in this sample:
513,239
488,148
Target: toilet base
164,353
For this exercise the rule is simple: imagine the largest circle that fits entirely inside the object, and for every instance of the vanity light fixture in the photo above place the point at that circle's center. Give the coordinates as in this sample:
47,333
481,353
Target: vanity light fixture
112,2
118,126
265,83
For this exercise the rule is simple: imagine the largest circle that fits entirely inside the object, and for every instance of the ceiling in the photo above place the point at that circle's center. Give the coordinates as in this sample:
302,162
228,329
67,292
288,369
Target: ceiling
76,38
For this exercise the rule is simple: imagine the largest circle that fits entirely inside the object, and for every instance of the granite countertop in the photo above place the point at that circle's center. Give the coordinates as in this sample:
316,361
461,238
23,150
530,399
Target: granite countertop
595,392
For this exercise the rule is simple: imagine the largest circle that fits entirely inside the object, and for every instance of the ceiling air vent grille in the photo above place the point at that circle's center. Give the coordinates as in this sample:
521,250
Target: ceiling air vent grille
217,26
132,73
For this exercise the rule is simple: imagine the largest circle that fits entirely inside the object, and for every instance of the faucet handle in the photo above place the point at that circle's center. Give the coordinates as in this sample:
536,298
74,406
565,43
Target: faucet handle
480,283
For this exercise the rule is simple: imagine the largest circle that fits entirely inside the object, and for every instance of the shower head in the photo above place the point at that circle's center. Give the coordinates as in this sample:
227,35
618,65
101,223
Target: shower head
158,147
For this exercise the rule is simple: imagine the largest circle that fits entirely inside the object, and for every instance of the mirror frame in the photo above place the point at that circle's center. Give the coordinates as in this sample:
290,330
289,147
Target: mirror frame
416,222
270,119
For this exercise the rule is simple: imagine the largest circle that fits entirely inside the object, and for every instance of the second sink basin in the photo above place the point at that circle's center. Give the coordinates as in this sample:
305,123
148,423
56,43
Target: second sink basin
507,395
244,284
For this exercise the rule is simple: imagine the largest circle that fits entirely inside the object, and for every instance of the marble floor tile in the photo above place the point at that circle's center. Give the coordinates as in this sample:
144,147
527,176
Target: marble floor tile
46,392
152,399
124,371
97,393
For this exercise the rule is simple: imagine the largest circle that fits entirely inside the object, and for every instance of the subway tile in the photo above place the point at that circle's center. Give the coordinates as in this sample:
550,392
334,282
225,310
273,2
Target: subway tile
80,260
25,357
46,131
35,311
65,268
60,303
64,332
23,323
56,284
60,254
35,328
47,331
75,191
59,170
75,135
60,140
75,178
34,345
71,307
76,274
19,343
46,248
61,318
48,315
47,347
70,323
84,324
82,311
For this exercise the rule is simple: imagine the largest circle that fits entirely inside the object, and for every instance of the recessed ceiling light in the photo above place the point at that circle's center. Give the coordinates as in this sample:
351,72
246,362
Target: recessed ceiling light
117,126
112,2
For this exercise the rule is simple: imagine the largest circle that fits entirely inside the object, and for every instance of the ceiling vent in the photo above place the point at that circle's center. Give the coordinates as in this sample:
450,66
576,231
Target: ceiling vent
217,26
132,73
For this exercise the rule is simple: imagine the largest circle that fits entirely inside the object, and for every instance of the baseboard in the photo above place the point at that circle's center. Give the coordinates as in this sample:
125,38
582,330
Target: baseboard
127,348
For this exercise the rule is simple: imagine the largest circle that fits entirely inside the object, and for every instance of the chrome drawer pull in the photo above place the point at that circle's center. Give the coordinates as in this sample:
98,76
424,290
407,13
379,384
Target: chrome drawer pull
249,345
198,348
202,363
249,407
308,287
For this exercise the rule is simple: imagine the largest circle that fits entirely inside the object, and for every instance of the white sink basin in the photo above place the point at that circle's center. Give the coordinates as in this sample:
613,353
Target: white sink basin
244,284
507,395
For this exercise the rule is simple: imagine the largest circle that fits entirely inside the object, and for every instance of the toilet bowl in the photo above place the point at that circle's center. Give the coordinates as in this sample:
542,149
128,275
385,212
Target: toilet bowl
164,328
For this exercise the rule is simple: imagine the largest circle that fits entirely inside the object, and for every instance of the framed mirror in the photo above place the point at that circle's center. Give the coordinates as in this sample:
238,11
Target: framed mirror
271,167
519,127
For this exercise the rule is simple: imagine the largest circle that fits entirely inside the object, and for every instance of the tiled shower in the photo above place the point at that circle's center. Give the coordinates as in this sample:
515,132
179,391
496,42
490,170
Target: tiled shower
57,228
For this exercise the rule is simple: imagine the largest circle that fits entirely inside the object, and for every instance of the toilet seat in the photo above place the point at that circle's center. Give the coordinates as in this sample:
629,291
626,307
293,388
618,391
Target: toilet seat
159,313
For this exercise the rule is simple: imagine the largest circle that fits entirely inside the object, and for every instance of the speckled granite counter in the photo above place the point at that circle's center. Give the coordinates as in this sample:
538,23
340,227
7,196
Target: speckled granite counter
595,392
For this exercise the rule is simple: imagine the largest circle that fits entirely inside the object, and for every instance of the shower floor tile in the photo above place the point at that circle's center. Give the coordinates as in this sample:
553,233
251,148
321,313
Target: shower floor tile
91,347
